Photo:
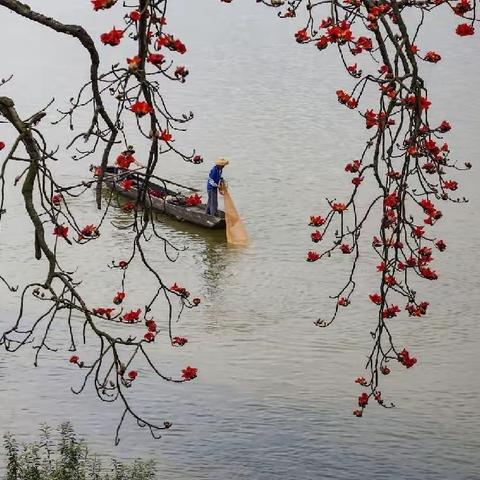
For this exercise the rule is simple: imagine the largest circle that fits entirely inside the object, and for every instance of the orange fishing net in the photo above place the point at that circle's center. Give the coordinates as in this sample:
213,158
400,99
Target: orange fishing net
236,231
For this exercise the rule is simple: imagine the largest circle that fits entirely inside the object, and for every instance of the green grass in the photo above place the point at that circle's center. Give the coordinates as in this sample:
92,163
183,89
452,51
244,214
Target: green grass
59,455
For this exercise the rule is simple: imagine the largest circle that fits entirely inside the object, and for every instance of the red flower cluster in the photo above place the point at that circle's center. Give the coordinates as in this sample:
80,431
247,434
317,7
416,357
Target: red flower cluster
164,136
411,101
441,245
179,341
112,37
345,248
345,99
132,375
141,109
373,119
155,59
363,400
103,312
189,373
181,290
353,167
103,4
312,256
133,63
57,198
132,316
316,221
450,185
127,184
361,381
338,207
390,311
343,302
194,200
302,36
464,29
124,160
316,236
432,57
462,7
181,72
417,310
74,359
405,359
2,145
171,43
61,231
119,297
88,231
375,298
135,15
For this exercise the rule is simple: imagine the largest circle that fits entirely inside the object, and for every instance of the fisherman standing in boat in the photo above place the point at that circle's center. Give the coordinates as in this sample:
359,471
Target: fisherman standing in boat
214,182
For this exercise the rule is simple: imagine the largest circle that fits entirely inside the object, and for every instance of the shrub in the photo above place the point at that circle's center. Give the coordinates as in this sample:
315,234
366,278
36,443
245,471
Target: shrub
59,455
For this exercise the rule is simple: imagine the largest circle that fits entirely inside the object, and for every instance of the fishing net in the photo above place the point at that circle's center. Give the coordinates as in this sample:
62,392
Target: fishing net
236,231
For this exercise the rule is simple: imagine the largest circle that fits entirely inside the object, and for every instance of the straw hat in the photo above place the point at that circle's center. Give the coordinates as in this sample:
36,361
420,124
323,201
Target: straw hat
221,162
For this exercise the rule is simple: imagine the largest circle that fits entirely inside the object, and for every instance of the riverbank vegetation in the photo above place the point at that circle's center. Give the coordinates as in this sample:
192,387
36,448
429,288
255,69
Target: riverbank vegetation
58,454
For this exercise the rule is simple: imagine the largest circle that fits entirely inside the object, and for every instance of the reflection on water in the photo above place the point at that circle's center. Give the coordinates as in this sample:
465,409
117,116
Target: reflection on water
274,394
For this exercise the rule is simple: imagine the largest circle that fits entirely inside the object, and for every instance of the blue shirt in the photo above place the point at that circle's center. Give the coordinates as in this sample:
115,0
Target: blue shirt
214,178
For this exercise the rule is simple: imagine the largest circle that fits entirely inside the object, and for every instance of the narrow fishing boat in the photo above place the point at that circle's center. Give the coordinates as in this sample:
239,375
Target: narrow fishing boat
176,204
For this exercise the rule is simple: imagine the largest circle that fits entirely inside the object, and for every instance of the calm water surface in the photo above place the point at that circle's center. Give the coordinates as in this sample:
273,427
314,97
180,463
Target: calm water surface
274,394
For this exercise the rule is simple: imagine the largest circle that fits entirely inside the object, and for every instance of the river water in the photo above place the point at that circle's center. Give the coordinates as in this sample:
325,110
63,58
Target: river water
274,394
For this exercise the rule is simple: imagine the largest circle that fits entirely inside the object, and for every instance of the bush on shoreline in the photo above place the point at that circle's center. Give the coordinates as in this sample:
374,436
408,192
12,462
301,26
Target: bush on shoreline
59,455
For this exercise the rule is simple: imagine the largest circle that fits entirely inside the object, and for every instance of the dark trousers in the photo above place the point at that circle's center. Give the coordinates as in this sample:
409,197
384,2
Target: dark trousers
212,205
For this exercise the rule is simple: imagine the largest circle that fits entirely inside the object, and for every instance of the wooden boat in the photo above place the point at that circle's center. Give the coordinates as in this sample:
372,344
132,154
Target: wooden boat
162,199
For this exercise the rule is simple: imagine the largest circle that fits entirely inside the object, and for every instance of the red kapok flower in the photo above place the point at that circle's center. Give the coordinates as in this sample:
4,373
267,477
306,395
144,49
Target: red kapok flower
361,381
127,184
358,413
132,316
375,298
149,336
450,185
61,231
165,136
2,145
118,298
316,236
189,373
180,341
135,15
385,370
122,264
141,108
316,221
151,325
132,374
74,359
405,359
133,63
345,248
302,36
464,29
363,400
194,200
432,57
56,199
102,4
112,37
441,245
338,207
312,256
196,301
155,58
